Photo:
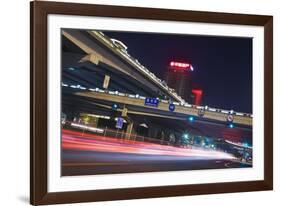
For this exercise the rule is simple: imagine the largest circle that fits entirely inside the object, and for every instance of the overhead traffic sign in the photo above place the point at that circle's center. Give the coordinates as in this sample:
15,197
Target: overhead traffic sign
172,107
119,123
151,102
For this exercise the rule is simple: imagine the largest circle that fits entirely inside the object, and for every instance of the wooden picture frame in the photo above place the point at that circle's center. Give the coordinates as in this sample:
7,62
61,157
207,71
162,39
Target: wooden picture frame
38,102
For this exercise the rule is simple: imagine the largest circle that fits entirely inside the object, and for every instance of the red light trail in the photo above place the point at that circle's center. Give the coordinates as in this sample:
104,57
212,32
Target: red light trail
72,140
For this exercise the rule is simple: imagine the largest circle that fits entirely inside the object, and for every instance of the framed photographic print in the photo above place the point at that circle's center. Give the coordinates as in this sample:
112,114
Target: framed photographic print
133,102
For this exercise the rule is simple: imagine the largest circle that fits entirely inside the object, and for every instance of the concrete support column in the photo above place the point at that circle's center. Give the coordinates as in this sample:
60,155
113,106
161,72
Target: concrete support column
129,130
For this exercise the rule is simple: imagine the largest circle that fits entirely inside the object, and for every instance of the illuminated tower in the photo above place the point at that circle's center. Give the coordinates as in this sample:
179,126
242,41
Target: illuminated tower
178,77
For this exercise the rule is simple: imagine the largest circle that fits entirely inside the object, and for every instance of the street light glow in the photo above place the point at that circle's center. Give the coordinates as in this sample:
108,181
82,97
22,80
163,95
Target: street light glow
114,106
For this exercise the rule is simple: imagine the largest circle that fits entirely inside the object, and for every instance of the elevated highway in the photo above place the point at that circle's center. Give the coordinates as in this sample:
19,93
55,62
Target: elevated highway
163,108
181,111
100,51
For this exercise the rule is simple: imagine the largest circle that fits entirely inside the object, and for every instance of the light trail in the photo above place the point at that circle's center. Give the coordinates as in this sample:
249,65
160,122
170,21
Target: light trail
72,140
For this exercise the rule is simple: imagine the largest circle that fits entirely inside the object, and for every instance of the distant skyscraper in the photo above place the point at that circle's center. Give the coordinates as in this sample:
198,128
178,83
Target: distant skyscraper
178,77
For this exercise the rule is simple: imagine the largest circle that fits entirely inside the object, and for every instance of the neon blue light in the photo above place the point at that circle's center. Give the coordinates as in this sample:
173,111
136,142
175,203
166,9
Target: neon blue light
231,126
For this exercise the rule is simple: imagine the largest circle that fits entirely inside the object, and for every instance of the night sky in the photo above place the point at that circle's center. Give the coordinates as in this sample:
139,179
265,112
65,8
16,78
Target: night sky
222,65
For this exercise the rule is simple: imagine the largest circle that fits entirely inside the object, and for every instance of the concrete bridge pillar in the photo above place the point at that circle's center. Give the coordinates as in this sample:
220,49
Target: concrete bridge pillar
130,125
129,130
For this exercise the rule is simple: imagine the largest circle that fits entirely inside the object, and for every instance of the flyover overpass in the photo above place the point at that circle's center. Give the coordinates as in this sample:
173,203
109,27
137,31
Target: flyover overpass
99,103
100,50
180,110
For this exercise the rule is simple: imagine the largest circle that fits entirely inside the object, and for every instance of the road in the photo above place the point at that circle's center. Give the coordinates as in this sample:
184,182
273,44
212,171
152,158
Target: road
88,154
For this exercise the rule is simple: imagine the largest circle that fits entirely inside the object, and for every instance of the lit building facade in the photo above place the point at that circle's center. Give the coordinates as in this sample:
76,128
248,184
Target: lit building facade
178,77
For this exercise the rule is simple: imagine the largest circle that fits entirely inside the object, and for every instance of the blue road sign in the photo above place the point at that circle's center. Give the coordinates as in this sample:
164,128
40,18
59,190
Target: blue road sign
172,107
119,123
151,102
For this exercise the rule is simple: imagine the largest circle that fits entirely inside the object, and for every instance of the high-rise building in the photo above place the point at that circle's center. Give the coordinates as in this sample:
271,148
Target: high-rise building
178,77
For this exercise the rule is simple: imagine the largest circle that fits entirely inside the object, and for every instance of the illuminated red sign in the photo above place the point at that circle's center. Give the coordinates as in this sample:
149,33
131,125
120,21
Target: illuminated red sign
181,65
197,96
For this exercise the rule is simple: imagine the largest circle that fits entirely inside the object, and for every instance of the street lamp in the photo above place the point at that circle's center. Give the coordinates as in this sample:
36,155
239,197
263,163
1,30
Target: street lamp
114,106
